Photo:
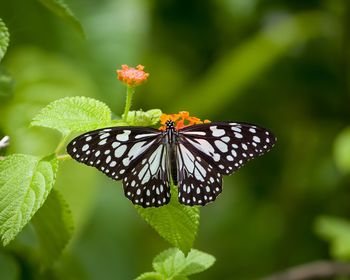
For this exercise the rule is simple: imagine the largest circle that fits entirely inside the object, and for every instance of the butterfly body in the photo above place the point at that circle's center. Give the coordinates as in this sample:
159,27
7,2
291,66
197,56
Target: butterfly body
170,140
194,157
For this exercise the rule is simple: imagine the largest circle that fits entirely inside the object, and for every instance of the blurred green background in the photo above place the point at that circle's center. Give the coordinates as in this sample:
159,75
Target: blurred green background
280,64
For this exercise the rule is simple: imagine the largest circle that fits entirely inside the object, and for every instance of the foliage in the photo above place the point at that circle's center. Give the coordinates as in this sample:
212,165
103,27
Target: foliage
74,114
342,150
141,118
254,56
61,9
25,182
175,222
337,232
54,226
172,264
4,39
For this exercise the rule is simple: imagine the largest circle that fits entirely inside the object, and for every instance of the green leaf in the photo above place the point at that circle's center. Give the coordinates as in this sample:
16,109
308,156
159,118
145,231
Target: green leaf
74,114
53,224
60,8
175,222
141,118
150,276
173,263
4,39
169,262
337,232
196,262
342,150
25,182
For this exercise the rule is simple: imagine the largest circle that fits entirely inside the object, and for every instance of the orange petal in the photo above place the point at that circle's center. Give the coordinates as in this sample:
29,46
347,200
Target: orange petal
131,76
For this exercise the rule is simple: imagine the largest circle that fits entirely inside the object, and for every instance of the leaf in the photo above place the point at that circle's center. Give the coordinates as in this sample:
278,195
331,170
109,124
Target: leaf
53,224
176,223
25,182
150,276
169,262
172,263
337,232
60,8
196,262
342,150
4,39
74,114
141,118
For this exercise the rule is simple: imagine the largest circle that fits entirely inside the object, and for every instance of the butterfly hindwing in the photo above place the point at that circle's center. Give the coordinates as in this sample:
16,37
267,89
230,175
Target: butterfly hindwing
199,181
147,183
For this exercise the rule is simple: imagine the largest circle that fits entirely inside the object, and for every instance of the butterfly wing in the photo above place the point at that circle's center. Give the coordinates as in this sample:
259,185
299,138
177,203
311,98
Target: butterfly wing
207,151
136,155
199,181
147,183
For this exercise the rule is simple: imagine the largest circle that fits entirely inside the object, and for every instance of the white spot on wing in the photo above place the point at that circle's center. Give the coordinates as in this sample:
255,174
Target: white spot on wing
256,139
237,129
104,135
102,142
221,146
115,144
123,136
120,151
216,132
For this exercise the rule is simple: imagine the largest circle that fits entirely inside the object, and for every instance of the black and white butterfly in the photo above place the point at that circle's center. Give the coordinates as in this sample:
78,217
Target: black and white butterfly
195,158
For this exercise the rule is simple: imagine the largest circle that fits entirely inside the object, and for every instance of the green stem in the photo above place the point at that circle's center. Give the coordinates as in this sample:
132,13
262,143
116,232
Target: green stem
129,94
61,144
63,157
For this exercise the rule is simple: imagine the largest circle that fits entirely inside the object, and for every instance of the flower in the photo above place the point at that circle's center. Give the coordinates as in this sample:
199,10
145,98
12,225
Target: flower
181,120
132,76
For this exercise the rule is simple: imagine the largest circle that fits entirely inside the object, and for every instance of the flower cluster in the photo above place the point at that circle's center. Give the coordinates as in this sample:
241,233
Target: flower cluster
132,76
182,119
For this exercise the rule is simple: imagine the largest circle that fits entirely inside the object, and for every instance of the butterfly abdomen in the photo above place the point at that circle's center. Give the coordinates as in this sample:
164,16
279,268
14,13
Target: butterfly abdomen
171,140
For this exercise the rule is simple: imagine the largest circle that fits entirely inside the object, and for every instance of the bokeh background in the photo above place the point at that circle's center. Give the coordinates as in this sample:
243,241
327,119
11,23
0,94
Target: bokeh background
280,64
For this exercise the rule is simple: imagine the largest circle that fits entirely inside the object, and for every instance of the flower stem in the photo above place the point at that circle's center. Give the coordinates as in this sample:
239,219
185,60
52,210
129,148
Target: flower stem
129,94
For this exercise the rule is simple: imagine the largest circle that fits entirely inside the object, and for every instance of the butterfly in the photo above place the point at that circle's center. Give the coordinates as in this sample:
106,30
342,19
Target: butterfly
194,158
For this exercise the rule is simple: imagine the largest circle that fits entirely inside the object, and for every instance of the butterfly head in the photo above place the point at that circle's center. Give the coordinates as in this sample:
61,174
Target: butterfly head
170,125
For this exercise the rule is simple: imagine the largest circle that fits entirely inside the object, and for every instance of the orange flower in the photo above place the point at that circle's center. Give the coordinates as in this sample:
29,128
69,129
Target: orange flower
182,119
131,76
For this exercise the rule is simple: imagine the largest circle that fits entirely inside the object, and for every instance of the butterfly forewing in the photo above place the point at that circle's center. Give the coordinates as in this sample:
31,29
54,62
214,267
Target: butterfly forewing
125,153
208,150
